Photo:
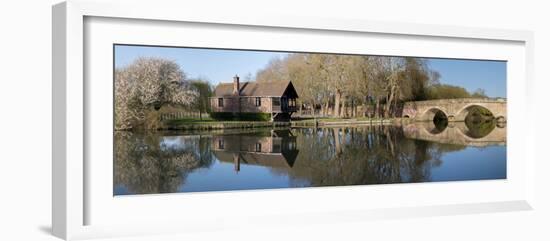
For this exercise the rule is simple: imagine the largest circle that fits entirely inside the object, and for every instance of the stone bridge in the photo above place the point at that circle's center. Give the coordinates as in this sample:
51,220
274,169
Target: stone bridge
456,133
454,109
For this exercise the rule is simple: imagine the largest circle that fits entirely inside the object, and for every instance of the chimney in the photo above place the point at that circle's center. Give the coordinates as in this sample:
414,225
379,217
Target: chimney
236,85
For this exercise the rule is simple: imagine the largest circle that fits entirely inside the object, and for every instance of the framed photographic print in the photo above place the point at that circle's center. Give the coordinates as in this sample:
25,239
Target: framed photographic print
171,120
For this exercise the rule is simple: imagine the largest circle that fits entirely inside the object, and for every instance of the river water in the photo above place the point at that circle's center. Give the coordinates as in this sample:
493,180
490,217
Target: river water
170,162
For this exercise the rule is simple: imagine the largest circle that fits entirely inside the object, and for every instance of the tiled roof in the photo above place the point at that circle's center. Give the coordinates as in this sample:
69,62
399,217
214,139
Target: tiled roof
275,88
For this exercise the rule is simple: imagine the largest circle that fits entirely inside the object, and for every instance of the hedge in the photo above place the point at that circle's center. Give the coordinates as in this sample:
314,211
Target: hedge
224,116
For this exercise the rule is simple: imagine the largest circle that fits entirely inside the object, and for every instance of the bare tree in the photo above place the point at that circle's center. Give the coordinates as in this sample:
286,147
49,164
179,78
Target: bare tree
345,82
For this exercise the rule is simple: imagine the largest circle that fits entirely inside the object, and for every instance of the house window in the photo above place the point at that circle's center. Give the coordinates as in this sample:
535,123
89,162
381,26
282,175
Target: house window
276,101
220,102
221,144
258,147
258,101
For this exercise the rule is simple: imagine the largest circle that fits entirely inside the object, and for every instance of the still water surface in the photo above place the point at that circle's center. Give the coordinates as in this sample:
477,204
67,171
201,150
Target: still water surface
168,162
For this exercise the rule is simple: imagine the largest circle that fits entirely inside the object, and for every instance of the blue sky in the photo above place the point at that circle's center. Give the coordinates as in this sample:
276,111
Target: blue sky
473,74
218,65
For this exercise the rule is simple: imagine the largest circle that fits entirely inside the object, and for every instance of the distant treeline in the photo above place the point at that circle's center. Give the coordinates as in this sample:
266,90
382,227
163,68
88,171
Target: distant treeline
378,85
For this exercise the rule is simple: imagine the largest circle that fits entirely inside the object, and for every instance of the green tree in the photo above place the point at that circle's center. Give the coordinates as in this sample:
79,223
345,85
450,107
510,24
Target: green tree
479,93
445,91
204,91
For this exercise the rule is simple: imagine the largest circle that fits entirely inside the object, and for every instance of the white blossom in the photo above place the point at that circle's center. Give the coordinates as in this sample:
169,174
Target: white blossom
144,86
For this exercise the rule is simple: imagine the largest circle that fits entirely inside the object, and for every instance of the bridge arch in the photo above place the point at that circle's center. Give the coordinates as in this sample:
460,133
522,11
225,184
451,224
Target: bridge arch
454,109
432,112
467,109
500,118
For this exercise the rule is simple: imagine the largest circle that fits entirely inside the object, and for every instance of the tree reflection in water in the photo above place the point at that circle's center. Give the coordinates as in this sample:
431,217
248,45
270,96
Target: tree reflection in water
479,128
150,163
365,155
161,162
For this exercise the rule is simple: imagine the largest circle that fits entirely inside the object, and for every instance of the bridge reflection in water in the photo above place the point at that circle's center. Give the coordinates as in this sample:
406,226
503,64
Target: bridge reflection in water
458,133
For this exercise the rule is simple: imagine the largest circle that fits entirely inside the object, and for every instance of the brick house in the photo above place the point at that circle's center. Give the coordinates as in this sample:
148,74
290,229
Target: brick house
277,98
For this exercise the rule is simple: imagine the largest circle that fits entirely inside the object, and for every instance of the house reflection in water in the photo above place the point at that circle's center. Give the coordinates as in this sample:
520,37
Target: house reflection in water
275,148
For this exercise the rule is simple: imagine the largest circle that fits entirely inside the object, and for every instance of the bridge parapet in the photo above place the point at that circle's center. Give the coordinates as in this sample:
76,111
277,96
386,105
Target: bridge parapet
461,100
454,109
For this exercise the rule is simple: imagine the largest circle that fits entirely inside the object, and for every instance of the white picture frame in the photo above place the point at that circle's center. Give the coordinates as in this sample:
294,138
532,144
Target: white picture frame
73,185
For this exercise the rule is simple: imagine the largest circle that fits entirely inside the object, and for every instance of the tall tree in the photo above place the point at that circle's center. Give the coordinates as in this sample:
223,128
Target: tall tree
204,91
379,84
143,87
479,93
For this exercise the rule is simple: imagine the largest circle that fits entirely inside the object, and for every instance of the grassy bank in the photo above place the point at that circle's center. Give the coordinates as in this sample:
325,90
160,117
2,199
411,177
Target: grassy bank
343,121
194,124
228,116
212,124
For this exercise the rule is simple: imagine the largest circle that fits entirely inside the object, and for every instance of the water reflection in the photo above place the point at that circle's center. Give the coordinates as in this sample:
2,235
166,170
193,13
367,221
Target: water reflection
152,163
480,128
479,134
274,148
306,157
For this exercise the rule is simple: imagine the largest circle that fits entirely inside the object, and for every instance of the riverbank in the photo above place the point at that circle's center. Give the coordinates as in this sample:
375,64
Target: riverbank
215,125
209,124
345,122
